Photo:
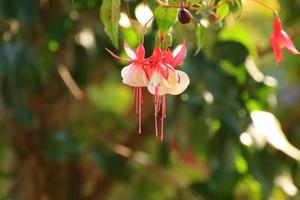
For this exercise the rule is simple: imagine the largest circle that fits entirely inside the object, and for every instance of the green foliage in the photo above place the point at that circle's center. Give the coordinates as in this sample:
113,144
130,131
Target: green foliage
110,15
223,9
200,37
165,18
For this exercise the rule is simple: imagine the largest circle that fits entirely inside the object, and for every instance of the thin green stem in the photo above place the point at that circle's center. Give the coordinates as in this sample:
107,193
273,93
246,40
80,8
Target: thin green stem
265,5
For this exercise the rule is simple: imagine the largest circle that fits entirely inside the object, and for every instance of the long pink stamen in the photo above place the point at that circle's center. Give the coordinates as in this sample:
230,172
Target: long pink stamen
156,108
163,116
135,98
140,109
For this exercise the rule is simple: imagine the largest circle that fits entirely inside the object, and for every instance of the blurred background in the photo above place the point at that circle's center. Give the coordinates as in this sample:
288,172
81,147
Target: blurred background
69,128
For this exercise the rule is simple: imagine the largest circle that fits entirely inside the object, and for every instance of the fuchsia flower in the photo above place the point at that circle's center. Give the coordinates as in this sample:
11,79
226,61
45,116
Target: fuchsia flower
165,79
158,74
135,75
280,40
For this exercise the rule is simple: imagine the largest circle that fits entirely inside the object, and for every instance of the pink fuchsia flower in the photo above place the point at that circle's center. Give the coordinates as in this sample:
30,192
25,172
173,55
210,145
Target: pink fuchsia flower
164,79
280,40
135,75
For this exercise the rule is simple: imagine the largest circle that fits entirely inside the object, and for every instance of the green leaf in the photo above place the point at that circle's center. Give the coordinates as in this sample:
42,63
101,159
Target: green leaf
223,9
199,36
110,16
165,18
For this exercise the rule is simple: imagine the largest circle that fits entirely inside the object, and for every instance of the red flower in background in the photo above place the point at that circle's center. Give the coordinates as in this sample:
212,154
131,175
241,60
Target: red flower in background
280,40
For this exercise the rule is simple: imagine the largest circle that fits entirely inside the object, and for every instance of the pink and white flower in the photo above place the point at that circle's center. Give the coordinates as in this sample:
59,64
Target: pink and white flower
135,75
164,79
158,73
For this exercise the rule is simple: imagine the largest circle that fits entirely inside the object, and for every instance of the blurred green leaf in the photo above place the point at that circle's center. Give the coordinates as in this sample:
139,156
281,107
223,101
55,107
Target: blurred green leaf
113,97
200,37
110,16
165,18
222,9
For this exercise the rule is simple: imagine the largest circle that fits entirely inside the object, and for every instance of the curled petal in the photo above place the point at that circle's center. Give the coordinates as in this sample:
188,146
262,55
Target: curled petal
116,56
129,51
134,75
288,43
182,85
180,55
171,86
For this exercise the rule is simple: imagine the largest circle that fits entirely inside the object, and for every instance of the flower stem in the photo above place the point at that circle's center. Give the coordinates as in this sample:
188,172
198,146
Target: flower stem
265,5
175,6
145,25
181,4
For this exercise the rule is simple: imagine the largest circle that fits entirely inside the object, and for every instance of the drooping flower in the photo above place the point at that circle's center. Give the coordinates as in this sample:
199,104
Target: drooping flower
135,75
164,79
280,40
158,74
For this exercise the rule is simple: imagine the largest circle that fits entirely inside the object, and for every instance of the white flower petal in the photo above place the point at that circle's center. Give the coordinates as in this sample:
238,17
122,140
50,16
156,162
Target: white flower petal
182,85
129,51
172,79
170,86
134,75
156,81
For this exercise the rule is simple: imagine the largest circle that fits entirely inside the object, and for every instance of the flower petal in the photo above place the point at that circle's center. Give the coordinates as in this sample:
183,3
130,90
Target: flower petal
156,82
129,51
288,43
116,56
173,79
180,55
277,25
275,43
134,75
140,52
182,85
164,71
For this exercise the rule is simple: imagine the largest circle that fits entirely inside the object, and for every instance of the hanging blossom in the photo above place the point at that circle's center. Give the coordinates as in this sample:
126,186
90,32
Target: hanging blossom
280,40
164,79
135,75
158,74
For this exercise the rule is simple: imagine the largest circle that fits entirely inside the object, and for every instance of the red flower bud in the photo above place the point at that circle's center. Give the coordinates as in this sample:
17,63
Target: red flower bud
184,16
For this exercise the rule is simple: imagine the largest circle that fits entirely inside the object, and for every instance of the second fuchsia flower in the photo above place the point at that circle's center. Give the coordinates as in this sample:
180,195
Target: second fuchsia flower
158,74
280,40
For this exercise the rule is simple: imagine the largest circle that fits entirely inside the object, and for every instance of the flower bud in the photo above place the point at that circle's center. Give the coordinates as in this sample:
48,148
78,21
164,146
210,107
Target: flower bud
184,16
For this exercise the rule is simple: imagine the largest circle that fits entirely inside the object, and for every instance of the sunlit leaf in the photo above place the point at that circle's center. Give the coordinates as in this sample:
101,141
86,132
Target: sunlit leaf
200,37
165,18
110,16
223,9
